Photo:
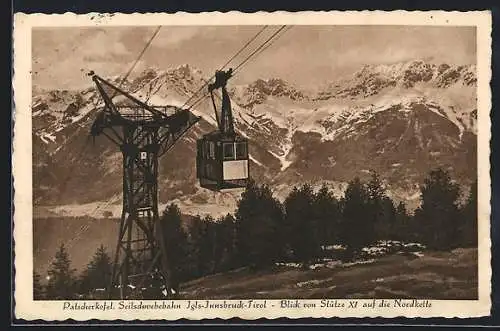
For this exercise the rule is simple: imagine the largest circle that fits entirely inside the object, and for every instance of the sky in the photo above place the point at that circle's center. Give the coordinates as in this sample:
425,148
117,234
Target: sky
304,55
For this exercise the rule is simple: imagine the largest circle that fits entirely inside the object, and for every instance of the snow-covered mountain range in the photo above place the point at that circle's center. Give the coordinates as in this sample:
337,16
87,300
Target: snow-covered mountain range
401,120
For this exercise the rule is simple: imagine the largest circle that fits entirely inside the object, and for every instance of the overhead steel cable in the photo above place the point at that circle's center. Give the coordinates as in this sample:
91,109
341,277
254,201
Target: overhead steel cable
245,46
224,66
195,94
200,99
134,64
79,155
266,44
86,226
138,59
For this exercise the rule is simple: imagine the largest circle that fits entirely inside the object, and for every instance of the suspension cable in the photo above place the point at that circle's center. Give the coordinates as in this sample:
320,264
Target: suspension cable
257,51
138,59
261,47
200,99
266,44
245,46
134,64
225,65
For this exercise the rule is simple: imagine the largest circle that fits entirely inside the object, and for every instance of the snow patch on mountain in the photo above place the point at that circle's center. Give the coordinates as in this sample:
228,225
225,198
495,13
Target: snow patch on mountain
260,90
54,111
205,202
372,79
343,121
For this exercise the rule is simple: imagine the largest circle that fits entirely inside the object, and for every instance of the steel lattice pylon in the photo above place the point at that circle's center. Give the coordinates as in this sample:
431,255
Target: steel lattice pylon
143,133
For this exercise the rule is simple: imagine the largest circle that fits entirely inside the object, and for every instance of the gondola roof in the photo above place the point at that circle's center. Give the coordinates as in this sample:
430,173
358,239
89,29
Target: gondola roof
219,136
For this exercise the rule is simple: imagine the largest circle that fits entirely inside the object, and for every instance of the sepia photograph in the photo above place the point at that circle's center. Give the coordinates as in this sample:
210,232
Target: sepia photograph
188,163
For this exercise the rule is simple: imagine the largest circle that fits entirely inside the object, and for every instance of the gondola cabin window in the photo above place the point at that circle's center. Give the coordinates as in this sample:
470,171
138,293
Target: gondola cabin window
211,150
241,150
222,161
228,151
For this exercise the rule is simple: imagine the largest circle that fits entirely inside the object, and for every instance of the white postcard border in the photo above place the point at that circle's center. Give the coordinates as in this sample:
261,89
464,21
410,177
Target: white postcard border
28,309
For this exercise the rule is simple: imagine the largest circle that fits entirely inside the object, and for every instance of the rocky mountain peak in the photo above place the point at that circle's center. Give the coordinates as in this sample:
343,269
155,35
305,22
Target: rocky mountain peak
372,79
261,89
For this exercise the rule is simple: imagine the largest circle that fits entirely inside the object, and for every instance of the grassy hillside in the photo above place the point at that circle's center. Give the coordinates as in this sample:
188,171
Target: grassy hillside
436,275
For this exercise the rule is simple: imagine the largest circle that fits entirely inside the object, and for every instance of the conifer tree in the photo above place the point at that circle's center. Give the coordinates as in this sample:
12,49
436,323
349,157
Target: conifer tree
381,208
38,291
211,244
468,228
98,273
326,209
259,220
403,228
356,227
200,246
61,285
301,221
175,239
225,253
388,220
438,216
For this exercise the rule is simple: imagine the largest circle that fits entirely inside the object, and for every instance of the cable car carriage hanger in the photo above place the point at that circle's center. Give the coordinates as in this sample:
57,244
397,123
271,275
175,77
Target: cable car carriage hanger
144,133
222,155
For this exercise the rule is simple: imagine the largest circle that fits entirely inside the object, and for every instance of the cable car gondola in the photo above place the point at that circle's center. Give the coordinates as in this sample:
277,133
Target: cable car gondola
222,155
